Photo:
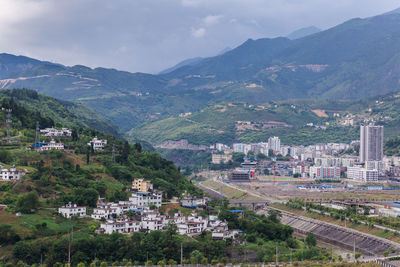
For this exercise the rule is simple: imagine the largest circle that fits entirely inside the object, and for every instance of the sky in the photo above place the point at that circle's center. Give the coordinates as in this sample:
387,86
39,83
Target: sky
152,35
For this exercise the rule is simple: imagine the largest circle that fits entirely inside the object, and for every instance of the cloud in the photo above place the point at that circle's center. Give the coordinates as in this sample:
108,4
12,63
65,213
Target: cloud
198,33
212,19
149,36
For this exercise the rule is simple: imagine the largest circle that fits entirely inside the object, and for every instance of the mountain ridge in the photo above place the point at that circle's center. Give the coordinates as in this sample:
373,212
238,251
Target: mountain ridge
356,59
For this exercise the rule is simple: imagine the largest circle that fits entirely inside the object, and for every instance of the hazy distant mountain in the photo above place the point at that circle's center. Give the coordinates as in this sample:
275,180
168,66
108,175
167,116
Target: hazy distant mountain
191,61
303,32
10,64
186,62
223,51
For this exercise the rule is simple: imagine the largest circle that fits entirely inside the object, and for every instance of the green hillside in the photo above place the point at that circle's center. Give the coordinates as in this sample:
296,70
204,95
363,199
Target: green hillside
217,123
54,178
61,112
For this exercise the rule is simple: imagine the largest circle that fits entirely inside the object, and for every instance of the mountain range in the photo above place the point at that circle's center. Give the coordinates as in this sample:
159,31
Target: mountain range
357,59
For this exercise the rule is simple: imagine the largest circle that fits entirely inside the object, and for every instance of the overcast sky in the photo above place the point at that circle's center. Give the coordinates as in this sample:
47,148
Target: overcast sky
151,35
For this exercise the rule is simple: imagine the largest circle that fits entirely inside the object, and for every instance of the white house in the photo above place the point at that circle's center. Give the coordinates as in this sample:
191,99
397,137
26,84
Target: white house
225,234
10,175
192,202
98,144
146,199
53,132
51,145
70,210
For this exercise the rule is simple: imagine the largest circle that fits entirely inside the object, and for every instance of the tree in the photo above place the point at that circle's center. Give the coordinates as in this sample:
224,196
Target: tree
311,241
28,203
274,215
138,147
366,210
171,262
357,255
197,255
161,263
87,156
8,235
103,264
126,150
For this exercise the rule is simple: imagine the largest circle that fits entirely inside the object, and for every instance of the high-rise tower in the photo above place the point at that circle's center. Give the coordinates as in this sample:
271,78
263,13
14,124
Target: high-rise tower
371,143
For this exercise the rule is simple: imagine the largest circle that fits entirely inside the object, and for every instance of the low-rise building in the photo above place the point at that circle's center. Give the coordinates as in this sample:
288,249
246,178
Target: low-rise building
241,175
10,175
325,172
222,235
141,185
146,199
70,210
53,132
97,144
190,201
52,145
218,158
361,174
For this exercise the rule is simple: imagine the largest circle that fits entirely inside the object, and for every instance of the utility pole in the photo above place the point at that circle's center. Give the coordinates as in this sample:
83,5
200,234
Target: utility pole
181,254
9,121
69,245
354,247
37,136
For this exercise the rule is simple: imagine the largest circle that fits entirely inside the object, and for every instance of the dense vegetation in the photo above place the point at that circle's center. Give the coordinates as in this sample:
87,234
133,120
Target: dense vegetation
64,113
264,235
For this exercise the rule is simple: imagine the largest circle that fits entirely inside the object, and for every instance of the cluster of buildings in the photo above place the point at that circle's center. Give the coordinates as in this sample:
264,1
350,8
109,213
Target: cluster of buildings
320,161
53,132
140,214
11,174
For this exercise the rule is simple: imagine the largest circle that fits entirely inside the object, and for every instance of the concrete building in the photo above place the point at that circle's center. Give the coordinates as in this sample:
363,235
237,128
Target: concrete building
49,146
70,210
371,143
325,172
361,174
98,144
146,199
190,201
274,143
241,148
10,175
241,175
220,158
53,132
141,185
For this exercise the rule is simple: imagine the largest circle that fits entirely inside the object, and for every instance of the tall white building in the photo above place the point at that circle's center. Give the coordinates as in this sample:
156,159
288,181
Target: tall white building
371,143
274,143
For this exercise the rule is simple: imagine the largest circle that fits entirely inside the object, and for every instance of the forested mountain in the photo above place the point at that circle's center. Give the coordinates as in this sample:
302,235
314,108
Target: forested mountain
354,60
